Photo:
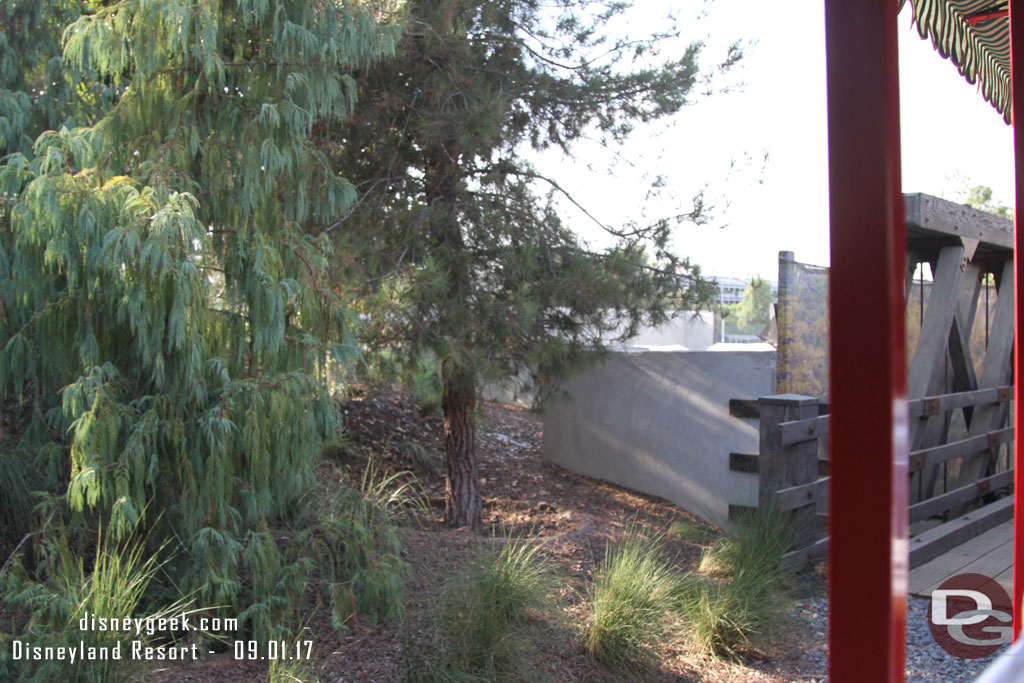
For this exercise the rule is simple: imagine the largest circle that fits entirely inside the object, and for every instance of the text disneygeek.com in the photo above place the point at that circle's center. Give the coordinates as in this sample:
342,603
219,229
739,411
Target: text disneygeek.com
143,647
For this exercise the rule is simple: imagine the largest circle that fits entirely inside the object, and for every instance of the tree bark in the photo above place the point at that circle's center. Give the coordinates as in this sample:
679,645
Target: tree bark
462,503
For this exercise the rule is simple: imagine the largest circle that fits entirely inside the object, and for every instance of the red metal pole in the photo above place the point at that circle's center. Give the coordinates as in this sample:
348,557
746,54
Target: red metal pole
1016,69
868,437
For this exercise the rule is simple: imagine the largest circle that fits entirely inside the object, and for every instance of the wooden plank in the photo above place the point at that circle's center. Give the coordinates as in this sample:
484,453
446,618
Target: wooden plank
997,560
965,494
929,457
803,430
747,462
945,402
926,373
930,354
782,467
930,215
934,542
797,559
996,371
950,563
1006,580
743,462
992,563
964,378
744,408
804,494
961,362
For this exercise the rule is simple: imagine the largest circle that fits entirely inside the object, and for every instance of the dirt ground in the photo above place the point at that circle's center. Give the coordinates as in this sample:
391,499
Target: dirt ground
574,516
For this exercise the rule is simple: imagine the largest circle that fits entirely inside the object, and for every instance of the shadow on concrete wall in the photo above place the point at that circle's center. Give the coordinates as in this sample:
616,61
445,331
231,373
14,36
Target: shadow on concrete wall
659,423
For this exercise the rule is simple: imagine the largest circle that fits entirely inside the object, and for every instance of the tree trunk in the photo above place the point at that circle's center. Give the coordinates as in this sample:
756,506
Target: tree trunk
462,504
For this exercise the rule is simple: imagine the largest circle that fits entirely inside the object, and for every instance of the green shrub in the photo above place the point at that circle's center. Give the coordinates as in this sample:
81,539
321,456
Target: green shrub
357,552
633,588
481,616
48,612
723,612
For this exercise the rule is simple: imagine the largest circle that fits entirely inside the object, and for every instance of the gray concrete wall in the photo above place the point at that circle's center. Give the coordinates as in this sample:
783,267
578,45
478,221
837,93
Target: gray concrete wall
694,330
659,423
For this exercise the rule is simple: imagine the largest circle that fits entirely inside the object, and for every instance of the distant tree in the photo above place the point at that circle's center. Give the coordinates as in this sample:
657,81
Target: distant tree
980,197
456,244
754,311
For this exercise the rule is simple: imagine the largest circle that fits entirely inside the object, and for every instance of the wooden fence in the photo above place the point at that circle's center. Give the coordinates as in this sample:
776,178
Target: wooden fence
794,479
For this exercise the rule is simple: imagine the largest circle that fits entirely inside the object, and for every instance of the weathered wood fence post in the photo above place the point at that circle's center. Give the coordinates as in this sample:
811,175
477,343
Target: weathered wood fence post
788,473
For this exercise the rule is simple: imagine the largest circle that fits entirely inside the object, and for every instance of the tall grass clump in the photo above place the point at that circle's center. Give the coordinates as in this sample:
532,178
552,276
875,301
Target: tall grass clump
356,543
482,615
397,497
48,612
634,587
291,668
743,586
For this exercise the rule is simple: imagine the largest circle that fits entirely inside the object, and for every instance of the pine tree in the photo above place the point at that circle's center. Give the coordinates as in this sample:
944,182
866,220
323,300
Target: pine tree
167,321
459,238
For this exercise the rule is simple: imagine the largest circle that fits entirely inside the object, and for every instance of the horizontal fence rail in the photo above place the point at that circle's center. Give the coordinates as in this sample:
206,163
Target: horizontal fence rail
797,431
795,481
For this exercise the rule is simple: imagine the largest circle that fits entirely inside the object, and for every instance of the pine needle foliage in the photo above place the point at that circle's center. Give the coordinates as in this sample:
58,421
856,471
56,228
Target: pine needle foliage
165,313
457,246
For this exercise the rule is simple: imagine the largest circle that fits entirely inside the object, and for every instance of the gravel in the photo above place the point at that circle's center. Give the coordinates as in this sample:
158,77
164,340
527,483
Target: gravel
925,660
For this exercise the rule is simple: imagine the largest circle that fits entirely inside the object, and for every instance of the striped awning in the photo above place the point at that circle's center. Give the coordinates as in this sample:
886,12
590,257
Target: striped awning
974,35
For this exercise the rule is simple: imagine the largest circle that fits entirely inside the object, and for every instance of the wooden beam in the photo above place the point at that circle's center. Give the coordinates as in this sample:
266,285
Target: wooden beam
797,559
965,494
929,215
964,378
817,427
930,544
782,467
744,408
804,494
945,402
996,371
928,457
926,374
930,354
803,430
743,462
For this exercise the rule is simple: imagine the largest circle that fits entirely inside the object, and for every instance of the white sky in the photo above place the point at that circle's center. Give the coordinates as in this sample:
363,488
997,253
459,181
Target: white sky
950,136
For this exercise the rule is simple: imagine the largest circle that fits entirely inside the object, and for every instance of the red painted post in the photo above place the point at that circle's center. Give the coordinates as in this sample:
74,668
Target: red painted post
868,431
1016,69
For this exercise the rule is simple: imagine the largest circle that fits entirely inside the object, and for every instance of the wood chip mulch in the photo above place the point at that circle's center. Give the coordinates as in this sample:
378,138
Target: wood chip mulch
574,516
